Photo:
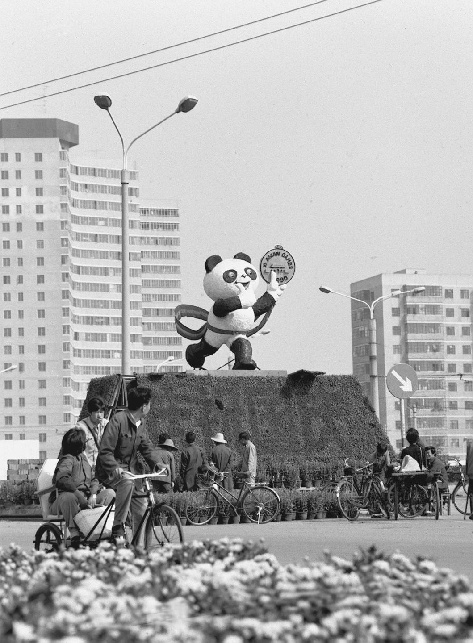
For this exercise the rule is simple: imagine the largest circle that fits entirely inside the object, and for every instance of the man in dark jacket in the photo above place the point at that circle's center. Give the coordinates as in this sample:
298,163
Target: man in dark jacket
436,466
124,437
415,449
221,457
193,461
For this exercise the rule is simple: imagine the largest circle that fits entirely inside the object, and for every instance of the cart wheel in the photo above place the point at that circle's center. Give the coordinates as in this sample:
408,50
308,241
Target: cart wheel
48,538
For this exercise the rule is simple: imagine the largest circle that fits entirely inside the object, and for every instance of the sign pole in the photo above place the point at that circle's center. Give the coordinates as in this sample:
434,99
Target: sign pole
403,421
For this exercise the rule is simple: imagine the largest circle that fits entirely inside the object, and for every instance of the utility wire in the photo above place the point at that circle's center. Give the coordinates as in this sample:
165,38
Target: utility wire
157,51
200,53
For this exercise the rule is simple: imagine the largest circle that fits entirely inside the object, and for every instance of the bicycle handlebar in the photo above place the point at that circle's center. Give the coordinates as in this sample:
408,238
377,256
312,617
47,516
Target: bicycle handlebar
158,474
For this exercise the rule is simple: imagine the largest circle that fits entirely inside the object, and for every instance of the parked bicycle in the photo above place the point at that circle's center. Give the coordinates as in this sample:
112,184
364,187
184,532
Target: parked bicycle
160,523
459,495
259,504
361,489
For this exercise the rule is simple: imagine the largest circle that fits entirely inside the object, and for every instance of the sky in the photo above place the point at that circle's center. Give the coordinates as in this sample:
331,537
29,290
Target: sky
347,140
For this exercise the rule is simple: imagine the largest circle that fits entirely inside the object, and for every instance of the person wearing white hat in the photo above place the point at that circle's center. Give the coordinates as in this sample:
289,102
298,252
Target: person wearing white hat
221,457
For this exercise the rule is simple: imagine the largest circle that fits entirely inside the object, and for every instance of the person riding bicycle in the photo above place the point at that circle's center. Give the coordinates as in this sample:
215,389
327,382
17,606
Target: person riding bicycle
124,437
415,449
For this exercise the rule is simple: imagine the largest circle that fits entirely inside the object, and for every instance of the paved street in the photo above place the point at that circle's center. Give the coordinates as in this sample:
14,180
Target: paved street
447,541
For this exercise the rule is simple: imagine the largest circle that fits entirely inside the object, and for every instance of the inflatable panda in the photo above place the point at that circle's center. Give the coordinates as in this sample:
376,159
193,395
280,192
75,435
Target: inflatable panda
231,284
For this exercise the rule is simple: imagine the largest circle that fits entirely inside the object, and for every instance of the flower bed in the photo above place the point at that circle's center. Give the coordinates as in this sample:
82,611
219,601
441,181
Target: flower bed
227,591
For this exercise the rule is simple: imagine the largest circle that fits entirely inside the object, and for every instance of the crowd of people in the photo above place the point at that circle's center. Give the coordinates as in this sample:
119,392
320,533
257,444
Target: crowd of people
99,458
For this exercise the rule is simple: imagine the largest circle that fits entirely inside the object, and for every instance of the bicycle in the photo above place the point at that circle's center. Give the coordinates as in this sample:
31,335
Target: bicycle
160,522
361,489
411,499
459,495
259,504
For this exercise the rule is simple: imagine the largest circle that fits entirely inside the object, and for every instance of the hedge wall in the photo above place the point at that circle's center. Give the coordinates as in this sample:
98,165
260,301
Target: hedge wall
304,419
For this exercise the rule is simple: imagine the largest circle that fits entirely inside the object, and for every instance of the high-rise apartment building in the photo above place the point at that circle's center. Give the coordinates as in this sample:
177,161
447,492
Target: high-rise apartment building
61,279
432,332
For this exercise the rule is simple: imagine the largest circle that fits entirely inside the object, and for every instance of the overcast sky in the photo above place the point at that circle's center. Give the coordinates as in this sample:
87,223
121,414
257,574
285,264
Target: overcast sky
348,140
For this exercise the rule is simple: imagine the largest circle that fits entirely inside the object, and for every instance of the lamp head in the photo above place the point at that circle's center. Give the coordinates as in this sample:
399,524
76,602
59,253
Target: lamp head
417,290
104,101
327,291
186,104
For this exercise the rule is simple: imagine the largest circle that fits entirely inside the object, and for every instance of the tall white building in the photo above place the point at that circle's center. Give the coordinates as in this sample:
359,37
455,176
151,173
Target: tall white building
61,279
432,332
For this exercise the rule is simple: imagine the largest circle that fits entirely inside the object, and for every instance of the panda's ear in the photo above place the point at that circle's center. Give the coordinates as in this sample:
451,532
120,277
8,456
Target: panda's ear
243,257
211,262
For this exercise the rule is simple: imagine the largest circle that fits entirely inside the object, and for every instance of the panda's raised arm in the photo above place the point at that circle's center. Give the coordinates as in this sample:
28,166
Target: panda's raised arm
263,305
224,306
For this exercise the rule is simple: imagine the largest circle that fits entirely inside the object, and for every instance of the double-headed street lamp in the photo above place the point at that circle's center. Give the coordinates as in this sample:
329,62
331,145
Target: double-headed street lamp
105,102
9,368
373,354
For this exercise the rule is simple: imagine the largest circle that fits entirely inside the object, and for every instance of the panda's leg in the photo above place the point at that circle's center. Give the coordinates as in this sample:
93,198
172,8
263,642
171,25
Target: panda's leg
196,353
242,350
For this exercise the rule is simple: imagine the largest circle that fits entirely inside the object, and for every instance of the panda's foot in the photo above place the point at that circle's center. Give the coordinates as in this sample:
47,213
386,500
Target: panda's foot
194,356
245,366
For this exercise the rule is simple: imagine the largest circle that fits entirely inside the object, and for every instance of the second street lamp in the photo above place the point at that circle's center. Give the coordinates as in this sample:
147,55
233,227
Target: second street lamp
105,102
373,349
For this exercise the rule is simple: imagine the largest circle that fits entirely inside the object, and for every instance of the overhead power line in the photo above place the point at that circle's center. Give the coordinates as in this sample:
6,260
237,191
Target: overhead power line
188,57
158,51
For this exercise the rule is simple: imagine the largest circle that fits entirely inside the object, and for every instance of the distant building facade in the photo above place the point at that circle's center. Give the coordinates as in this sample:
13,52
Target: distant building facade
432,332
61,279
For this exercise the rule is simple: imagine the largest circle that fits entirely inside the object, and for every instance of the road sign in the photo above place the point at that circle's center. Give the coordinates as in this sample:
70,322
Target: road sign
402,381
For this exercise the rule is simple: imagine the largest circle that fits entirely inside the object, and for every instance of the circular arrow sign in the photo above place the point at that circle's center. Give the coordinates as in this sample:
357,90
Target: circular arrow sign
402,381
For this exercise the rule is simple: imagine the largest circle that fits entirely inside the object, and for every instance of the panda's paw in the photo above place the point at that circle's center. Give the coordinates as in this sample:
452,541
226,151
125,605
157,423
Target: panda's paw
274,288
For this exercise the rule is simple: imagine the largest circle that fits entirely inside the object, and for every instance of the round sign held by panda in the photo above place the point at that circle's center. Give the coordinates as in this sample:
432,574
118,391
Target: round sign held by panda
281,262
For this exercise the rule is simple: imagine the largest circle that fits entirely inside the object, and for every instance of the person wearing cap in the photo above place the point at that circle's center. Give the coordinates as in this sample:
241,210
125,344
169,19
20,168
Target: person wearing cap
193,462
221,457
165,450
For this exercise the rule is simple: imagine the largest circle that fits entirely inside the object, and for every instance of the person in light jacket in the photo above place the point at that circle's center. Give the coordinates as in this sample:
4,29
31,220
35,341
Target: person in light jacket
248,463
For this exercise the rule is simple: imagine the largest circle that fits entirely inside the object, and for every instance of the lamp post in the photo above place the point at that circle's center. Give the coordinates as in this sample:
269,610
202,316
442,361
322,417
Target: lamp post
9,368
105,102
166,361
373,354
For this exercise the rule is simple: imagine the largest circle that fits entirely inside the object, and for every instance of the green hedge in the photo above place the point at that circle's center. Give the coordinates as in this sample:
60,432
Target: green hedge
301,424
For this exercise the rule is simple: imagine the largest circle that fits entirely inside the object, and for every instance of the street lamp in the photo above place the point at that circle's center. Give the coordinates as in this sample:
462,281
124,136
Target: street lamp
372,335
9,368
105,102
166,361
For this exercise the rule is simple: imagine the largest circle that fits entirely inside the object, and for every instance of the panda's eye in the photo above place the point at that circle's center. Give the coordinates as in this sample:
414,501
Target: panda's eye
229,276
251,273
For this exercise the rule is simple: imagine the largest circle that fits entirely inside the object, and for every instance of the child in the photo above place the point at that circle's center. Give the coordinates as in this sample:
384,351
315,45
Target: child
75,487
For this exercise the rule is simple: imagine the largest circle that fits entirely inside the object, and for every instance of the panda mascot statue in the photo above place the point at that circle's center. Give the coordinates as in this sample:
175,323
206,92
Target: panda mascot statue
231,284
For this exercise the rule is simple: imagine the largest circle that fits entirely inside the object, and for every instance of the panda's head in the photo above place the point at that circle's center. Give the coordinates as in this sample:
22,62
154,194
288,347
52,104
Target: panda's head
226,278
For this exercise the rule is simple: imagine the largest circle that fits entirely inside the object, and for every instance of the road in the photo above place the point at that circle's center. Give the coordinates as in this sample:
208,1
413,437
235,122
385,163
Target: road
446,541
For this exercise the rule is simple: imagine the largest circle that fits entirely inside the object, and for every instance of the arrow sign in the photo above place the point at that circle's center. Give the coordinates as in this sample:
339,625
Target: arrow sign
402,381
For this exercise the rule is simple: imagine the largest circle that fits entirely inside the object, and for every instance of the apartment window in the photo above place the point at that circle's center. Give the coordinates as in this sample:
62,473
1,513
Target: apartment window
39,226
39,192
8,385
41,419
41,401
41,349
42,437
4,175
451,350
65,312
455,442
40,261
449,312
20,265
469,424
66,346
21,368
464,294
5,209
19,279
468,387
39,209
42,367
452,368
396,312
466,331
4,157
452,386
396,330
40,279
6,245
468,405
5,227
453,405
18,191
5,192
8,402
18,157
7,332
6,279
38,174
21,401
454,425
38,157
41,313
448,293
8,421
21,349
7,296
41,296
18,209
9,436
66,330
41,331
7,349
6,262
19,227
18,175
42,455
7,314
19,244
66,417
21,314
64,294
465,312
41,383
466,349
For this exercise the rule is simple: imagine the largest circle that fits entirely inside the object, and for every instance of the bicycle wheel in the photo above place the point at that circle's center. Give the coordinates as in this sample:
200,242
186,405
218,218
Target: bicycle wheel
378,500
460,498
202,507
260,504
435,500
48,538
348,500
413,500
163,526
